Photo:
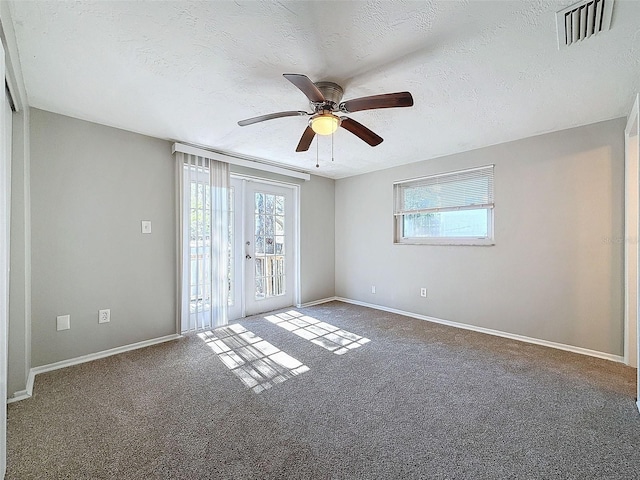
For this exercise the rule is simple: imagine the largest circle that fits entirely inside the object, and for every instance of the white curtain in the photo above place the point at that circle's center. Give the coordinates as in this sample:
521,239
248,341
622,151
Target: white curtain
203,239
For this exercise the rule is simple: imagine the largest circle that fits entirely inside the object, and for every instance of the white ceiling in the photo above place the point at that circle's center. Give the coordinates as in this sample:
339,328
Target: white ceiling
481,72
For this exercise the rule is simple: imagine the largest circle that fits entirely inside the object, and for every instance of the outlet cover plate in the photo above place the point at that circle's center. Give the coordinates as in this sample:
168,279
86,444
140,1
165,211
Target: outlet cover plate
146,226
104,316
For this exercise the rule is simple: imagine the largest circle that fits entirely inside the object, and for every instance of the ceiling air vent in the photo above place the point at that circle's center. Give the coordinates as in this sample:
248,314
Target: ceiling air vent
583,19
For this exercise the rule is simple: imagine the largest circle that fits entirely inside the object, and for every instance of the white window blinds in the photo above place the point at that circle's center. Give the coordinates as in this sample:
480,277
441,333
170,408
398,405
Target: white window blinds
461,190
204,188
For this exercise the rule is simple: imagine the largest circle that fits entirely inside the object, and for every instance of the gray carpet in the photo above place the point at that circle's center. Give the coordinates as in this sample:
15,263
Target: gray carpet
419,400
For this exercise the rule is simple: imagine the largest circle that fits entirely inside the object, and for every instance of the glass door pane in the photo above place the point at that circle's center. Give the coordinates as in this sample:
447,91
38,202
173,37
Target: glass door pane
269,238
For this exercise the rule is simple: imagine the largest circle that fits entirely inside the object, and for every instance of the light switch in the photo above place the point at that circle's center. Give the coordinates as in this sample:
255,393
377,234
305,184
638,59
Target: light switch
63,322
146,226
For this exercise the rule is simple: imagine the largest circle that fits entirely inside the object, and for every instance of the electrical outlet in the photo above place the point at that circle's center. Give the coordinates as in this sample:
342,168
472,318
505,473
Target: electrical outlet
104,316
423,292
373,289
63,322
146,226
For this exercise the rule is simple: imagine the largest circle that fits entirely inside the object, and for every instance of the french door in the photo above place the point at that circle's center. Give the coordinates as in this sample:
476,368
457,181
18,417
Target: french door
264,253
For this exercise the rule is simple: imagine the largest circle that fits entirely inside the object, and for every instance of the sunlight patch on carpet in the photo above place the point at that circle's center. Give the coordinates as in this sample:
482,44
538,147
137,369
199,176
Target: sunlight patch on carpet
323,334
253,360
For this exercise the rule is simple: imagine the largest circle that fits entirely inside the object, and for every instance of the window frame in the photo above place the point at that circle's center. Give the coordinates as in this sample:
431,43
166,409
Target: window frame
398,214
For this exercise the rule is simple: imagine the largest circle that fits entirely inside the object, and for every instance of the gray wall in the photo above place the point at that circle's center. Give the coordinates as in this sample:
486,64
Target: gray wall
317,244
91,186
556,270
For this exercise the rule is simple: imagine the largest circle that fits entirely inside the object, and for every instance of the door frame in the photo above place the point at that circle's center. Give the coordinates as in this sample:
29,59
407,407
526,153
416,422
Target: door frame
295,188
632,224
631,243
5,261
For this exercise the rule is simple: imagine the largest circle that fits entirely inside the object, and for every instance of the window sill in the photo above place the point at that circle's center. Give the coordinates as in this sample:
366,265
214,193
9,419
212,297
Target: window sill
474,242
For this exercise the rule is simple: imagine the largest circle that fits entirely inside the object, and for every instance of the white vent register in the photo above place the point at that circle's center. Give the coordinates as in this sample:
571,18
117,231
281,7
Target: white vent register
582,20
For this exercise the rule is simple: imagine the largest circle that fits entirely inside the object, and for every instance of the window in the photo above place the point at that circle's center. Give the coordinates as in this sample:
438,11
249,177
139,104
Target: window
453,208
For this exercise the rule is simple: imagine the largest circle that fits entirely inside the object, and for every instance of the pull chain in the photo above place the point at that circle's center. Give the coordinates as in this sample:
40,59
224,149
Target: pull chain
332,146
317,154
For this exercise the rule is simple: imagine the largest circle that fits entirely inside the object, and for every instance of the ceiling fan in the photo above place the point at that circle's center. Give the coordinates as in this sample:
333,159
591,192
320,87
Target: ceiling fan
325,99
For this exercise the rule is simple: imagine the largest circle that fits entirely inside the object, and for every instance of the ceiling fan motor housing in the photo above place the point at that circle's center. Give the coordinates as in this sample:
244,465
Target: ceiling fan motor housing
332,93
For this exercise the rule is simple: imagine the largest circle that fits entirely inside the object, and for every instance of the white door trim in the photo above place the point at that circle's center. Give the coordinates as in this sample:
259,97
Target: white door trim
5,224
631,324
237,310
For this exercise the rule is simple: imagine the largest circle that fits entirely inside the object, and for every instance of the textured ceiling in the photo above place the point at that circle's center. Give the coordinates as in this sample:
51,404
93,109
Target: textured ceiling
481,72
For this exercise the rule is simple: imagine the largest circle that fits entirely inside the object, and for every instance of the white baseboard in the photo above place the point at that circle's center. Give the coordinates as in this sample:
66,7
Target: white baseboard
28,392
317,302
19,395
489,331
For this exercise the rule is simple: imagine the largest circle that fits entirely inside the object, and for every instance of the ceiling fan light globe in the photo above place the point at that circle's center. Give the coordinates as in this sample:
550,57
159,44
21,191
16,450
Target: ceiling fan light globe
324,124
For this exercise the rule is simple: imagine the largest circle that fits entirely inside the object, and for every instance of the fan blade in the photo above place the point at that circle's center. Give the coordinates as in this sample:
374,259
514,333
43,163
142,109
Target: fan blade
306,86
305,141
361,131
387,100
270,116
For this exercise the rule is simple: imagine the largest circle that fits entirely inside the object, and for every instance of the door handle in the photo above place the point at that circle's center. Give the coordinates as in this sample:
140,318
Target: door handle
247,256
